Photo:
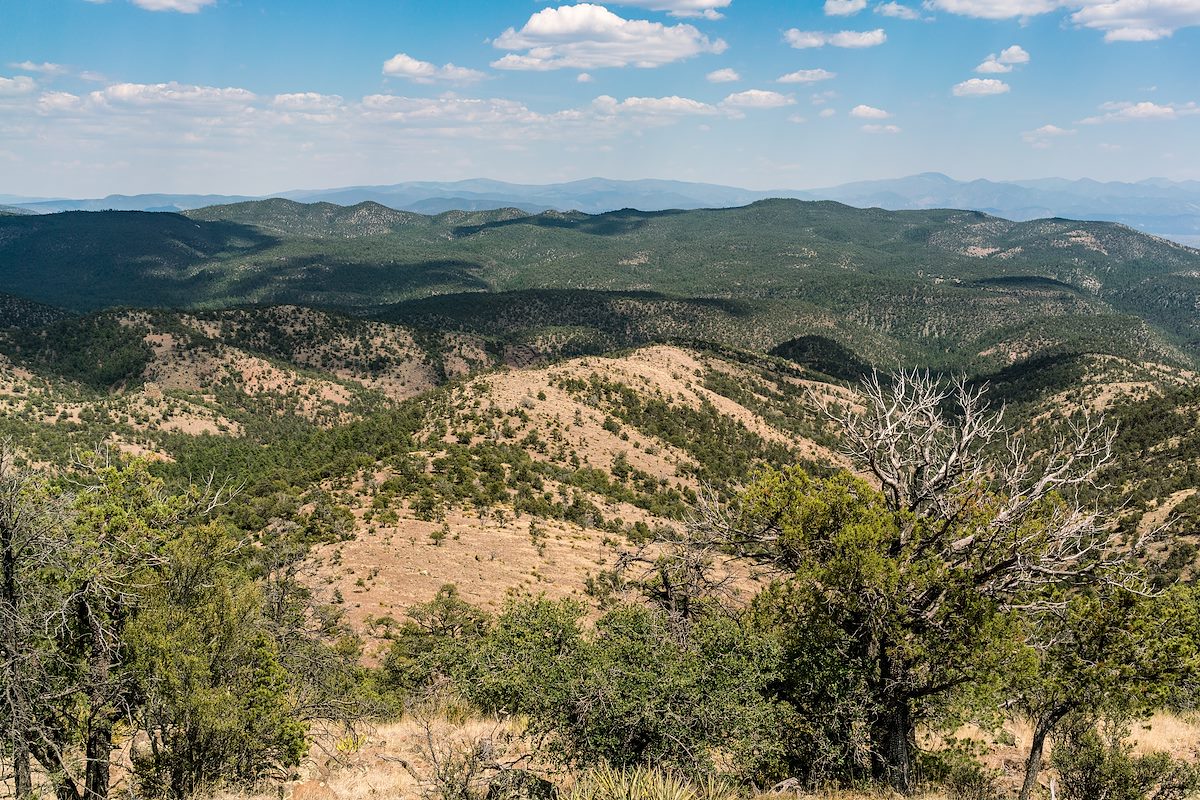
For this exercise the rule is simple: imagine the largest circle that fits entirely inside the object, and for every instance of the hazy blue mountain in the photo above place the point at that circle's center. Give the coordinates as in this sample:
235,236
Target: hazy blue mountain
592,196
1158,206
137,202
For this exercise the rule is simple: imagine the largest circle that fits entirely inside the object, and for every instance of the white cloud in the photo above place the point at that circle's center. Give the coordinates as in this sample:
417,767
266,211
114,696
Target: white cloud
45,68
306,101
995,9
826,113
1137,20
821,98
991,66
868,112
21,84
980,87
583,77
1014,55
804,39
1121,20
880,128
177,95
844,8
51,102
726,75
403,65
797,119
807,76
588,36
448,113
1041,138
999,64
897,11
757,98
1145,110
680,8
183,6
653,106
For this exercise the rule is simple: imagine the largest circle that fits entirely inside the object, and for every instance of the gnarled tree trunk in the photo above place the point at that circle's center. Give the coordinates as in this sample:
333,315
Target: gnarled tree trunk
98,741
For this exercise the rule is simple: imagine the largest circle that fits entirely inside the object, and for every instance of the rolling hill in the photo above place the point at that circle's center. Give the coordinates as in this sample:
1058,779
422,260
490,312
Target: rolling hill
941,288
1162,207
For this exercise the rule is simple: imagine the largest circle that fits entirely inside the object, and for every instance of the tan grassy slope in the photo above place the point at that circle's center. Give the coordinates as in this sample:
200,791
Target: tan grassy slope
388,566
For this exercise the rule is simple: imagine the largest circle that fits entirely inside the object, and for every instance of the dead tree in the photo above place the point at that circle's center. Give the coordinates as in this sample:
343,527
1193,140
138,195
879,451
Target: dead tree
972,511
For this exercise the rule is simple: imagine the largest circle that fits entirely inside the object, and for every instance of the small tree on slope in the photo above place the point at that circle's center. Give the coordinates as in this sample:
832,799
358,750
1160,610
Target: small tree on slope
919,583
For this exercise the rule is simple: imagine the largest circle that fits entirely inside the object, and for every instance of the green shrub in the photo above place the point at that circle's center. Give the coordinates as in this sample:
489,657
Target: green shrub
1099,762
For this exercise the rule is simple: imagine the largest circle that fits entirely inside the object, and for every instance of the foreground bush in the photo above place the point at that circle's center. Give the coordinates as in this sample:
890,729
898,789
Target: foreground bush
1100,763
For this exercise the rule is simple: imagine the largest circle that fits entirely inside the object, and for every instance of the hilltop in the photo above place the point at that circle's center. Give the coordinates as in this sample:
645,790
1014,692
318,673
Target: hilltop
1166,208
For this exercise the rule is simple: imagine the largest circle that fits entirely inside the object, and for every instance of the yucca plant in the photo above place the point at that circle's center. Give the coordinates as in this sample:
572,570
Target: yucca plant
642,783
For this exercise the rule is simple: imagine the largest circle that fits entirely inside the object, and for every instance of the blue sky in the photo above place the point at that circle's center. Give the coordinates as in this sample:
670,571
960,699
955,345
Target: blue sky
253,96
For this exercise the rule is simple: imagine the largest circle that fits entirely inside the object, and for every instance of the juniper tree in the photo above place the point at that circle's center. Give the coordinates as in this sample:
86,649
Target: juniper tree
916,575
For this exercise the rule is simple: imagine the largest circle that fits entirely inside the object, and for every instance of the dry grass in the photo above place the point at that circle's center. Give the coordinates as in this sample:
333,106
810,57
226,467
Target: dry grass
393,760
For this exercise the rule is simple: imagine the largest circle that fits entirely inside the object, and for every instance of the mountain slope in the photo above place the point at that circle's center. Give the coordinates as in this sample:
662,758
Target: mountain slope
933,287
1168,208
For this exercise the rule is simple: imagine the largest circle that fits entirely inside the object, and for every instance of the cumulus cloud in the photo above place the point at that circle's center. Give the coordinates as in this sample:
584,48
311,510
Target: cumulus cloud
868,112
680,8
872,128
844,8
807,76
21,84
991,66
726,75
306,101
757,98
583,77
805,39
52,102
45,68
995,9
897,11
1145,110
589,36
1138,20
182,6
1014,54
403,65
1121,20
1004,62
445,112
980,87
826,113
179,95
1042,137
653,106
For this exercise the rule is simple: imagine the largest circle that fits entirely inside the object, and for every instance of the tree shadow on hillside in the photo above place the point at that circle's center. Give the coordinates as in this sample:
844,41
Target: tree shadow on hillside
84,261
613,223
315,280
546,307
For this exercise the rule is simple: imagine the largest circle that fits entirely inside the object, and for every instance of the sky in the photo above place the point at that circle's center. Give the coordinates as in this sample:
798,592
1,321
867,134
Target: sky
260,96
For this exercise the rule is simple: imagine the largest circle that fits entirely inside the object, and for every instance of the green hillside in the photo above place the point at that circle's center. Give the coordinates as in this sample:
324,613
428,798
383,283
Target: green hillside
944,288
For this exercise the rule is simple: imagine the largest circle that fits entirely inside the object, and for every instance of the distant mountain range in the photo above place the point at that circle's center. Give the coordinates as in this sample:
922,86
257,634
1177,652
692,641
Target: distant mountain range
1162,207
